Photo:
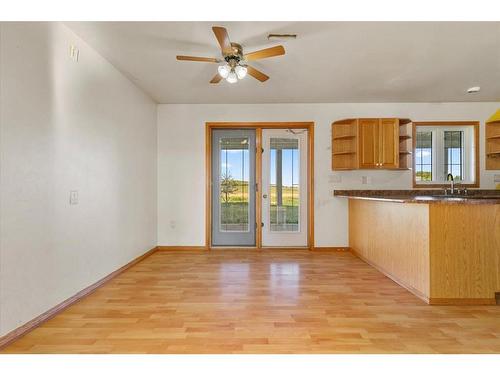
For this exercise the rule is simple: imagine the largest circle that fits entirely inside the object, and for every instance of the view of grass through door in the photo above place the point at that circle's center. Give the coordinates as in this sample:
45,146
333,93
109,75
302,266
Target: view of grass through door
284,192
284,185
234,202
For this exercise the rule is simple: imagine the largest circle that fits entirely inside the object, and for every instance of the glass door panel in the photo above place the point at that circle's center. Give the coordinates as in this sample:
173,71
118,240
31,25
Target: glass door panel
284,185
233,187
233,184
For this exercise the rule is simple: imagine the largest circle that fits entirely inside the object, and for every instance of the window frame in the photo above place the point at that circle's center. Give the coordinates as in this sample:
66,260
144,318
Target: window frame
447,125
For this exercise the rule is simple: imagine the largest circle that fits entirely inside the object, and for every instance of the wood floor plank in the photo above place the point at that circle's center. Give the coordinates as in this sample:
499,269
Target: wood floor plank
273,301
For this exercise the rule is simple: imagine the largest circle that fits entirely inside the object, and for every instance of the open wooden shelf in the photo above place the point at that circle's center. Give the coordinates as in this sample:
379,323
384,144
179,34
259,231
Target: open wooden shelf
344,145
405,144
492,143
404,121
344,137
344,153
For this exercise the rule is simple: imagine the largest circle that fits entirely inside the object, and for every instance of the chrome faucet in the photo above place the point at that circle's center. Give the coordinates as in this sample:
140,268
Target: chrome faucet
452,190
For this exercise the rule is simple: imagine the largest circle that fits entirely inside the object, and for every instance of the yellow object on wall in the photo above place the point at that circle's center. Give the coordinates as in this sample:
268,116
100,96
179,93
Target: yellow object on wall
495,117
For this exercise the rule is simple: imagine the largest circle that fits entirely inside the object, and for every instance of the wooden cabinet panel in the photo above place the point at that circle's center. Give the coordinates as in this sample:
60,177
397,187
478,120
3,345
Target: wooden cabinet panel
368,143
465,251
389,143
393,237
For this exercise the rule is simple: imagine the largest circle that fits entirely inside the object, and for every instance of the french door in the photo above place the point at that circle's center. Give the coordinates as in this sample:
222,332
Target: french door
284,187
259,186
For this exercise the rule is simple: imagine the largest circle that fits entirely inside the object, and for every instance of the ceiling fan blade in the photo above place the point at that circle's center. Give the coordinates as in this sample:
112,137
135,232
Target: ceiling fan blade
217,78
223,39
257,74
264,53
196,58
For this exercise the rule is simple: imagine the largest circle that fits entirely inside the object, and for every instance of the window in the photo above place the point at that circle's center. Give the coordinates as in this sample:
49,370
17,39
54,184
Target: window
446,149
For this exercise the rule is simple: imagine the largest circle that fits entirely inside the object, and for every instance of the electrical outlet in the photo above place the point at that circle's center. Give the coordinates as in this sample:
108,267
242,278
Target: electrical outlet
496,178
366,180
73,197
173,224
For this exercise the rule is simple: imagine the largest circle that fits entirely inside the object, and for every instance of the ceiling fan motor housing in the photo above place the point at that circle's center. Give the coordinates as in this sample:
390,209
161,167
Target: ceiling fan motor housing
236,54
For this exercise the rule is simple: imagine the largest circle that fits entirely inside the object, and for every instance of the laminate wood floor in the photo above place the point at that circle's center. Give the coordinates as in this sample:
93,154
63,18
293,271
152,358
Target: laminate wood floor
270,301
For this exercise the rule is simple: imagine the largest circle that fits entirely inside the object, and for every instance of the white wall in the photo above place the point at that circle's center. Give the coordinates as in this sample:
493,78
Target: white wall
181,159
68,126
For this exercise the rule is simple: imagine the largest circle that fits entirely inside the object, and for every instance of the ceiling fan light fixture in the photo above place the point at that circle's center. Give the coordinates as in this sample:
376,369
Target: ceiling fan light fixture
241,71
232,77
233,65
224,70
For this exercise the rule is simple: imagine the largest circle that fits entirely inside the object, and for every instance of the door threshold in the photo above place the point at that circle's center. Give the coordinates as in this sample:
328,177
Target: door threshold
259,248
285,248
232,248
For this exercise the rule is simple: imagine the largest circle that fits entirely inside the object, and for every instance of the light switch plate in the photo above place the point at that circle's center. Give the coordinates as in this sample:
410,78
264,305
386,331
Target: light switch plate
73,197
366,180
74,53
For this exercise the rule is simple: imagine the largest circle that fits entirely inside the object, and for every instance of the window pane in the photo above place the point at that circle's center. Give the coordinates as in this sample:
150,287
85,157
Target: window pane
424,139
453,154
234,174
426,155
284,189
423,156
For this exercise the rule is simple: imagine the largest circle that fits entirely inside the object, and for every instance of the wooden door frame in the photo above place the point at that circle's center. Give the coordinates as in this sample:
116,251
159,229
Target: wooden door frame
258,126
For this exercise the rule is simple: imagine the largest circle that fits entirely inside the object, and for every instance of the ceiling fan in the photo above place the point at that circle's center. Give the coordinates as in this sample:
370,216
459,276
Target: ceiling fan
234,62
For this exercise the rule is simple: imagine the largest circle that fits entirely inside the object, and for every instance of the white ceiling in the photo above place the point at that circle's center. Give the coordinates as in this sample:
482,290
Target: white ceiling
328,62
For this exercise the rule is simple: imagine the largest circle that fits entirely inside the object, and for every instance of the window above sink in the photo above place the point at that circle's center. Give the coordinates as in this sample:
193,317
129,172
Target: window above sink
440,148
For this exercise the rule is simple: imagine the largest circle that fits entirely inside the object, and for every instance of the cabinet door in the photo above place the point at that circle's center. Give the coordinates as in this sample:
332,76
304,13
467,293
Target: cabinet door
368,143
389,143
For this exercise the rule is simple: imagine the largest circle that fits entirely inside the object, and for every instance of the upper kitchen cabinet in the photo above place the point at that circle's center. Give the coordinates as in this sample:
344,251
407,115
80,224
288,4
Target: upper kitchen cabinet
371,143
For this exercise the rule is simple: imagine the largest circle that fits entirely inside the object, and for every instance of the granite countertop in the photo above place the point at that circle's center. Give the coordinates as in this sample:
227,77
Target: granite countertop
423,196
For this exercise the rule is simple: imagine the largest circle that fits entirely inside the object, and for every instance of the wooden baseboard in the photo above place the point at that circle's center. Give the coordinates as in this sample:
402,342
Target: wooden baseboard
182,248
462,301
412,290
32,324
331,248
247,248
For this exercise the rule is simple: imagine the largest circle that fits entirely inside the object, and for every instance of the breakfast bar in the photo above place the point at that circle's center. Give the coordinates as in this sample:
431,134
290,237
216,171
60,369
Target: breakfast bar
444,249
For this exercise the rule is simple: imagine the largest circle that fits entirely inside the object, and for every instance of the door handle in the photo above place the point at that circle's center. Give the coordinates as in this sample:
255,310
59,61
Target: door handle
264,196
